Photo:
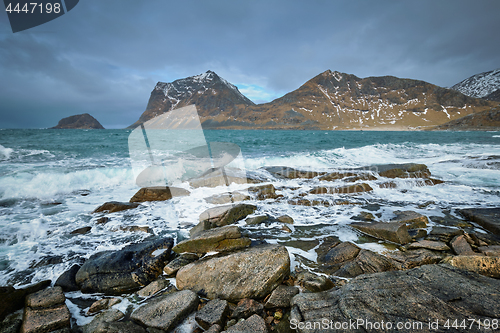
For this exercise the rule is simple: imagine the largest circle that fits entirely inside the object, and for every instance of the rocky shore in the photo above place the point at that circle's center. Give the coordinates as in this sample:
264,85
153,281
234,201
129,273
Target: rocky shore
434,274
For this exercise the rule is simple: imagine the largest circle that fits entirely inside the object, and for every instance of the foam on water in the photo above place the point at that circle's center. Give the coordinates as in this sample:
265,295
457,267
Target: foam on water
5,153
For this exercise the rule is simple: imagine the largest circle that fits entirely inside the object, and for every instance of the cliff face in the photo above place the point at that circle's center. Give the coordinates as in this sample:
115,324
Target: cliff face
331,100
80,121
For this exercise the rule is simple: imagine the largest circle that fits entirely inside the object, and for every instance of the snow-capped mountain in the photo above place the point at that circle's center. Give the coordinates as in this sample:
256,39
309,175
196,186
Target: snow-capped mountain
481,85
331,100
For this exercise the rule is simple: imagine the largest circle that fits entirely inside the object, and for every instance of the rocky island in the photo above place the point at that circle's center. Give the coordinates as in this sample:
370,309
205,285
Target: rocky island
80,121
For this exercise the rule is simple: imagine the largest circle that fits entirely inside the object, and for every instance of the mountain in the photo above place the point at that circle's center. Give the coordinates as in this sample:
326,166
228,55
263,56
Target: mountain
483,121
484,85
331,100
80,121
210,93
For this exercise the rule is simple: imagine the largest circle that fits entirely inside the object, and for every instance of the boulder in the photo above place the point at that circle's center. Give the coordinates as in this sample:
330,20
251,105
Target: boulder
484,265
313,282
81,231
254,324
461,247
13,299
281,297
164,312
291,173
413,220
114,272
225,198
263,192
390,231
492,250
443,234
430,245
346,189
285,219
115,206
248,273
258,219
102,304
431,292
222,215
214,312
158,193
366,262
108,316
246,308
181,261
45,311
153,287
119,327
223,239
414,258
67,279
488,218
408,170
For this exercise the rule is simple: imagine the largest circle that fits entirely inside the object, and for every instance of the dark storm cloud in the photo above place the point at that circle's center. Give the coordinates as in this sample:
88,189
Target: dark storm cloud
104,57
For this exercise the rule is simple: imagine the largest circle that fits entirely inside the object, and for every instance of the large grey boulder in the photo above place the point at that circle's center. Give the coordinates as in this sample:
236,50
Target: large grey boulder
114,272
391,231
248,273
423,294
164,312
222,215
221,239
488,218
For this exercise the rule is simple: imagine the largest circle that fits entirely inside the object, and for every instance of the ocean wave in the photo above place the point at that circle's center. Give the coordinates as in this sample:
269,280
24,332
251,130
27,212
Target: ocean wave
5,153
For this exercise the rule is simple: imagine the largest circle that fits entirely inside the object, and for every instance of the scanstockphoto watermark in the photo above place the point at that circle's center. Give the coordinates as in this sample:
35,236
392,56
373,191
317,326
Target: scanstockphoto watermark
430,325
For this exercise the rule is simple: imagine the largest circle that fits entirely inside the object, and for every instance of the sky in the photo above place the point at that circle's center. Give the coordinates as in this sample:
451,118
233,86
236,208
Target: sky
104,57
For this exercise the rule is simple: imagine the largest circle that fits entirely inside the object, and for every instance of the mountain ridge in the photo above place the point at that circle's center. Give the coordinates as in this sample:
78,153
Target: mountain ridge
330,100
483,85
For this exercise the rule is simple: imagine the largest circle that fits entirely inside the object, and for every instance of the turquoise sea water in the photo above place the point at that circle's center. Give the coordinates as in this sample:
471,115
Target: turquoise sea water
51,181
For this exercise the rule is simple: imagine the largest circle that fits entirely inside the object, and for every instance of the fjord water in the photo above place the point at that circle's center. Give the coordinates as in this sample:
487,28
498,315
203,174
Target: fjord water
51,181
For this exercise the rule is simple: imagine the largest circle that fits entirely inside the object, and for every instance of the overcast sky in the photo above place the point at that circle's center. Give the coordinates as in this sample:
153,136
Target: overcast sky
104,57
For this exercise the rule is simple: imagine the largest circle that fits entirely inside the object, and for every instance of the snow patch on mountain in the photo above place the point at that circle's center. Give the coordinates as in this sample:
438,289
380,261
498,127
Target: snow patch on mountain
479,85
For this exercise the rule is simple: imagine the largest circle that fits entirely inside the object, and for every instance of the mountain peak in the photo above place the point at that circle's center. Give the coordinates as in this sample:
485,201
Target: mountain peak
480,85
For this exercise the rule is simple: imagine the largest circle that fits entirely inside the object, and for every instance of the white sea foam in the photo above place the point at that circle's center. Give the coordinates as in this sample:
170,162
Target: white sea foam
5,153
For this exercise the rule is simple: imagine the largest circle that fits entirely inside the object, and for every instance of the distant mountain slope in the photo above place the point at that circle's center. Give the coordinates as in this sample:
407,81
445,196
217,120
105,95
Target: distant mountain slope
480,85
331,100
80,121
482,121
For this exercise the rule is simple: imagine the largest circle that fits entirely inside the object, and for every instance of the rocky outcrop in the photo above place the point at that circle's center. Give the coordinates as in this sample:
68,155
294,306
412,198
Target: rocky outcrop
164,312
115,206
80,121
488,218
114,272
233,277
45,311
390,231
158,193
437,292
222,215
223,239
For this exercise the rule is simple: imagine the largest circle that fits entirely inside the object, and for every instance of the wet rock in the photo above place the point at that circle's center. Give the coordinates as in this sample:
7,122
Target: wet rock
102,220
158,193
45,311
391,231
364,216
119,327
337,175
338,254
285,219
403,296
46,298
153,287
102,304
13,299
114,272
164,312
135,228
492,251
346,189
264,192
223,239
291,173
305,245
181,261
257,219
115,206
81,231
222,215
417,233
408,170
214,329
225,198
413,220
232,277
47,260
443,234
225,176
488,218
414,258
109,316
460,246
213,313
313,282
484,265
67,279
11,325
246,308
281,297
366,262
431,245
254,324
